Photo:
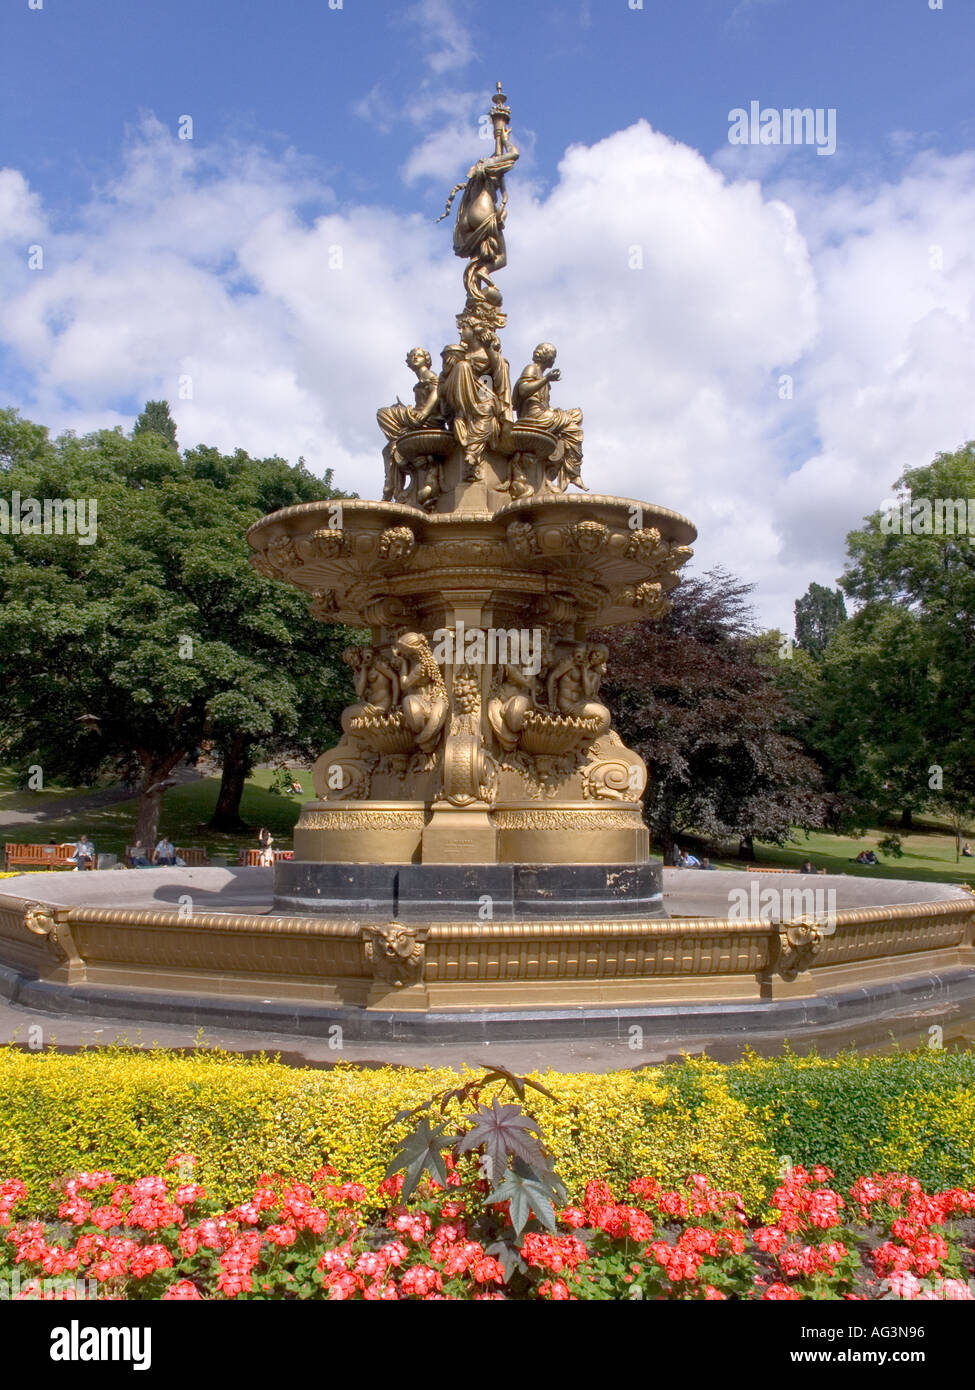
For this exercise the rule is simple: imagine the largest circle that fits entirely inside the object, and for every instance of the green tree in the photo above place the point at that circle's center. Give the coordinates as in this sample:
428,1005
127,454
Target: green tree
897,723
877,696
819,613
156,419
126,654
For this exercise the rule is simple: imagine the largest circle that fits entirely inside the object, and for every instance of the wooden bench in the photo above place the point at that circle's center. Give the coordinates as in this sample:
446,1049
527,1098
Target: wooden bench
41,856
191,855
251,858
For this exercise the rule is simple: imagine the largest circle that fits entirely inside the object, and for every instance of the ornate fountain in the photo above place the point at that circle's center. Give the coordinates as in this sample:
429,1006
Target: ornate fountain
475,866
478,736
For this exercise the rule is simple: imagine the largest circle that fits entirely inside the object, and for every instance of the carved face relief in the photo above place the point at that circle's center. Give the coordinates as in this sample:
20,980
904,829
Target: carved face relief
398,544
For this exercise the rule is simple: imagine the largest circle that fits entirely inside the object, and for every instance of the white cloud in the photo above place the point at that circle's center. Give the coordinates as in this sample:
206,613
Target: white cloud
442,33
199,261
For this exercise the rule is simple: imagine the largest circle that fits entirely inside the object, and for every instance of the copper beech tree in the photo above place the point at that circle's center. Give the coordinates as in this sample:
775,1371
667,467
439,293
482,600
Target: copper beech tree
697,695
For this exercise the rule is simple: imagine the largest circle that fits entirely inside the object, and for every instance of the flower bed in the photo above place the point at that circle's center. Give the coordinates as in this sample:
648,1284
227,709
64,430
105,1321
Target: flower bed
162,1237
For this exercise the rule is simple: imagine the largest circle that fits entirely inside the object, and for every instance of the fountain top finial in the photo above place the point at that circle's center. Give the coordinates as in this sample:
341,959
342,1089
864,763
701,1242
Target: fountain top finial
500,118
481,213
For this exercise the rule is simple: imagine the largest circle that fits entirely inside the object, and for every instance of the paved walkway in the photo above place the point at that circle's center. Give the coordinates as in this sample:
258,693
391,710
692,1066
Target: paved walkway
90,801
29,1028
66,806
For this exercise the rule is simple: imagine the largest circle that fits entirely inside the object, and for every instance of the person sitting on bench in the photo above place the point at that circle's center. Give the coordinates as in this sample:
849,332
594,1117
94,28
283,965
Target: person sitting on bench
84,853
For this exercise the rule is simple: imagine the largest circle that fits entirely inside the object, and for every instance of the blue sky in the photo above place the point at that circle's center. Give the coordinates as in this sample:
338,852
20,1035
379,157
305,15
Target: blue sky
852,276
292,72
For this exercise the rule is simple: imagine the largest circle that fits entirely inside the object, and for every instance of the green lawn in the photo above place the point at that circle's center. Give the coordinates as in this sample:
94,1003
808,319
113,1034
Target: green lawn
12,798
929,850
929,855
186,809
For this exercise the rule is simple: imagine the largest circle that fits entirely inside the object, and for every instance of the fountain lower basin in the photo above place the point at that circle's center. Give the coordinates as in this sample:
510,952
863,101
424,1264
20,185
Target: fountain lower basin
204,946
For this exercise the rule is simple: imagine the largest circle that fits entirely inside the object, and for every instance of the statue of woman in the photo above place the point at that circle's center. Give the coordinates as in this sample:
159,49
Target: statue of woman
479,228
475,392
396,420
423,694
531,398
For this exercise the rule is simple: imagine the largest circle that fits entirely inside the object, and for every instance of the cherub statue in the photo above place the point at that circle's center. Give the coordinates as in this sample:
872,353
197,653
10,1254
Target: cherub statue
376,684
507,709
573,685
531,400
423,699
396,420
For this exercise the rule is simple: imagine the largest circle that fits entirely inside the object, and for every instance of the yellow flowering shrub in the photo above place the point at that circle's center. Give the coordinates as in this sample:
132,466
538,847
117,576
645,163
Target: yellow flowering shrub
129,1109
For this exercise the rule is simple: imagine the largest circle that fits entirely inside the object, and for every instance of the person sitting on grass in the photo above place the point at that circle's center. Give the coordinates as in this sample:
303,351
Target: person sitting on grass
705,864
164,853
84,853
866,856
966,850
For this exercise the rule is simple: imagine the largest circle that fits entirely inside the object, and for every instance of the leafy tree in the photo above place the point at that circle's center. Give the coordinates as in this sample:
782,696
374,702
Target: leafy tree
877,696
917,585
156,419
126,654
819,613
697,696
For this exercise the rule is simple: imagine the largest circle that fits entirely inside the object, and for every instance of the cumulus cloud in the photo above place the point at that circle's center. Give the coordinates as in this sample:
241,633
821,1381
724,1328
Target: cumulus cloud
680,296
440,33
442,30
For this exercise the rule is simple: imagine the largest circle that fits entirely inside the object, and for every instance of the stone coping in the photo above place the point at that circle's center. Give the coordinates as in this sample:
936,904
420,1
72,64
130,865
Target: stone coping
688,893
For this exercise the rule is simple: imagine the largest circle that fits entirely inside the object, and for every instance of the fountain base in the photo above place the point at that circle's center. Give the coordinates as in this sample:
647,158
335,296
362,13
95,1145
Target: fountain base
422,893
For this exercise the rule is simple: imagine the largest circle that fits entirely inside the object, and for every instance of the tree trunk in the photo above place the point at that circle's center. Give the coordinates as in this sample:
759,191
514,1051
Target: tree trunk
907,818
236,768
746,848
154,770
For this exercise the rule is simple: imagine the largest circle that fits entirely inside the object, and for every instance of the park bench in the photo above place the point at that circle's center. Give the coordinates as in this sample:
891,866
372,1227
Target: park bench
191,855
40,856
249,858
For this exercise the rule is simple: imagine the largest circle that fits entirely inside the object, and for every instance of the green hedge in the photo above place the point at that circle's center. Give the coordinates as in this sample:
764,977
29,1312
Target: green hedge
128,1110
910,1111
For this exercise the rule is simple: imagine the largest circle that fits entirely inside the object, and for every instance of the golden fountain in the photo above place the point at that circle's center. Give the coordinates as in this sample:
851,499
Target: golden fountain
478,736
475,864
